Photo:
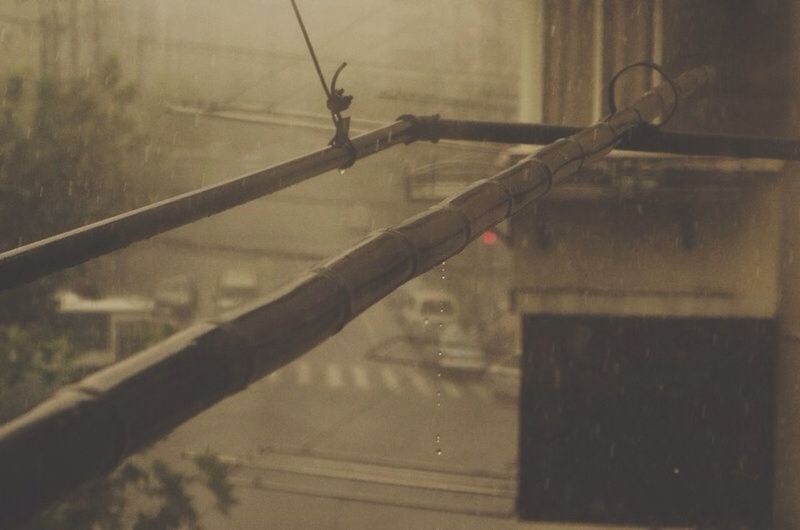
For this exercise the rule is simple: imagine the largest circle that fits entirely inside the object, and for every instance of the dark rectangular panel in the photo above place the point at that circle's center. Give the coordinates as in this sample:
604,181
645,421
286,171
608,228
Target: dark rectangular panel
647,421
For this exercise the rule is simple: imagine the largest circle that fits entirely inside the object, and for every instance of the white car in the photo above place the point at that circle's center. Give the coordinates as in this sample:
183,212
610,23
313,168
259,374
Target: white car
459,350
504,377
426,312
176,296
236,288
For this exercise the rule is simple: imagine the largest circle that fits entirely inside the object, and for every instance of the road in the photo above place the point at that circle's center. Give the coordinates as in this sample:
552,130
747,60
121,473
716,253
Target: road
361,432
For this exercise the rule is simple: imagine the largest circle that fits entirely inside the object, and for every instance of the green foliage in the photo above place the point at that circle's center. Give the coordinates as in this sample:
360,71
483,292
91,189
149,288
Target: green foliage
69,154
72,153
159,489
217,480
176,509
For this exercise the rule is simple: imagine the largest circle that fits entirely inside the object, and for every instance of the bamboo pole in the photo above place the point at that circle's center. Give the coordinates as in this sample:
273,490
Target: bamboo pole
87,429
32,261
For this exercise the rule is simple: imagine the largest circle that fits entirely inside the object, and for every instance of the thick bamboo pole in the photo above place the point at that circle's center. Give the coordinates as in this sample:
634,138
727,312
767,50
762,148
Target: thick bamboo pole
86,430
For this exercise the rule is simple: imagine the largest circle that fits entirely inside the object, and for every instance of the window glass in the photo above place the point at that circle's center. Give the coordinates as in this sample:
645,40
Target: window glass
619,353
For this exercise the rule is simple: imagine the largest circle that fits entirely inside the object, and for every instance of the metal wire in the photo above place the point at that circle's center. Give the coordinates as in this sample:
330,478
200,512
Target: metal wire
336,100
311,50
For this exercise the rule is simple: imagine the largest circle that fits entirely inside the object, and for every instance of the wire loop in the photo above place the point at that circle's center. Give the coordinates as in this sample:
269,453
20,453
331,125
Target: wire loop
612,104
335,99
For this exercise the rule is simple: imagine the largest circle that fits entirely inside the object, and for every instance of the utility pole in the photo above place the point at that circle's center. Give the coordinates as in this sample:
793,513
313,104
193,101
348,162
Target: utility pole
531,83
55,36
143,32
74,44
97,39
44,44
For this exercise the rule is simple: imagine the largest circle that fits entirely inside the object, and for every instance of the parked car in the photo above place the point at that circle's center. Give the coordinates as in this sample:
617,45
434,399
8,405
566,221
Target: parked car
105,330
236,287
176,297
460,351
504,377
426,312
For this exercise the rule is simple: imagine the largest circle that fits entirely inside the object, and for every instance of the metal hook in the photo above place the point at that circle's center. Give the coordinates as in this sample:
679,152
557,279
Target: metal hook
338,101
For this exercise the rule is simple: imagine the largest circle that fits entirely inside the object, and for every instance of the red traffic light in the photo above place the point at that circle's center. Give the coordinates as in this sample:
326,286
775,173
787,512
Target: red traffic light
489,238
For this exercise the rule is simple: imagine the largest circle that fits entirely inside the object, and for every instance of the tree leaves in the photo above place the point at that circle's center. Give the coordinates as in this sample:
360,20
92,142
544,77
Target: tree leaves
163,501
73,152
217,480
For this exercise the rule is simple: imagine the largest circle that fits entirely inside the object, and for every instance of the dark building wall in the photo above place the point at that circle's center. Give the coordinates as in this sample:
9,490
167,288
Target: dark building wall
649,421
750,45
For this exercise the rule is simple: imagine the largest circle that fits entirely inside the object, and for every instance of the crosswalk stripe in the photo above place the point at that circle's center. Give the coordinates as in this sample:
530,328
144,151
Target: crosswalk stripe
334,376
481,391
451,390
390,379
419,382
303,373
360,377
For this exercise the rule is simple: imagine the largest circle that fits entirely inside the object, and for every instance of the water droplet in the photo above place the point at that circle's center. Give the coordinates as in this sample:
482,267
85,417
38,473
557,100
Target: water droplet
438,374
439,353
438,403
438,394
341,171
426,322
438,438
443,276
676,470
438,451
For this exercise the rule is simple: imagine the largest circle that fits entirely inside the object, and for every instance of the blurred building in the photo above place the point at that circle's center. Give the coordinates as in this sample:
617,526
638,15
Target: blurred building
654,290
657,295
226,83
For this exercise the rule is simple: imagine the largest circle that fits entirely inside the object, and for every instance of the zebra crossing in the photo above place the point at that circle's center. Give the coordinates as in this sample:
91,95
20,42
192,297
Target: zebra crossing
395,380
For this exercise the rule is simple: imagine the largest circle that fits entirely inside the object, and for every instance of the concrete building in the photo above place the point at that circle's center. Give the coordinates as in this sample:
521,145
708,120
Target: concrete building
656,292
